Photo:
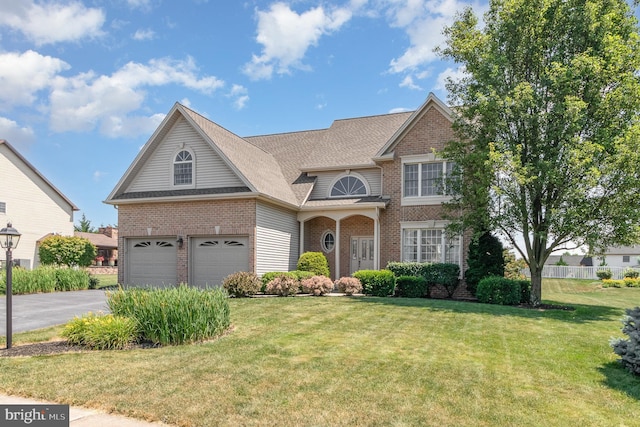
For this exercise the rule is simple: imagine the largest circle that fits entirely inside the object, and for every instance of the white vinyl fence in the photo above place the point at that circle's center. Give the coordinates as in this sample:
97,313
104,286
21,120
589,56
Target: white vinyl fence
567,272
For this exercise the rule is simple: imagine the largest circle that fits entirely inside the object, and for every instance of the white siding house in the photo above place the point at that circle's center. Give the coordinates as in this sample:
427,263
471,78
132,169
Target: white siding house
31,203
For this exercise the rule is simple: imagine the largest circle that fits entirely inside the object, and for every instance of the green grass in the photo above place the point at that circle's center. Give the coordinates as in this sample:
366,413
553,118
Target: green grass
107,280
366,361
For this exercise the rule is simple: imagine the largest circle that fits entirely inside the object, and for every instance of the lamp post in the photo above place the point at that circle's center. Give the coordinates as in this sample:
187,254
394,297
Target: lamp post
9,238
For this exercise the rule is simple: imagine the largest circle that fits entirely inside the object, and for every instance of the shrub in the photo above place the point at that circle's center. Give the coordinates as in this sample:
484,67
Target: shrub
629,349
444,274
69,279
513,267
485,258
411,286
173,315
379,283
94,282
631,273
525,291
626,282
317,285
407,268
283,286
101,332
66,250
349,285
604,274
242,284
499,290
315,262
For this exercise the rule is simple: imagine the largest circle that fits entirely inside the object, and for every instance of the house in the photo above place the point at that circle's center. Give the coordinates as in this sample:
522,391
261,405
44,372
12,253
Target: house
621,256
199,202
569,260
33,205
106,243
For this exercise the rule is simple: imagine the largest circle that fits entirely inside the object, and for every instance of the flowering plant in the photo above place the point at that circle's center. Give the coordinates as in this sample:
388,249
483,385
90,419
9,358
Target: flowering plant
99,258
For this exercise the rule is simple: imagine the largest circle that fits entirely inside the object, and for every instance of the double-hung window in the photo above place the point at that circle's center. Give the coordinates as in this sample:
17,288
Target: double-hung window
425,180
183,169
427,244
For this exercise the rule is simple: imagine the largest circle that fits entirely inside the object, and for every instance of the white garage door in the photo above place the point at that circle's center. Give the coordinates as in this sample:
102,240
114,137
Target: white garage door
151,262
214,258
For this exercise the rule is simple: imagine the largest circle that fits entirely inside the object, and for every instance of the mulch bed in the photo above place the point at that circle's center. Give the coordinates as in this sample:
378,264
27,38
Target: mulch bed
55,347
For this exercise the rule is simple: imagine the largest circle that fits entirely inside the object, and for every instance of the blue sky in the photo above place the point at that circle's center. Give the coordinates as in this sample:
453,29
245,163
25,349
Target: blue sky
83,84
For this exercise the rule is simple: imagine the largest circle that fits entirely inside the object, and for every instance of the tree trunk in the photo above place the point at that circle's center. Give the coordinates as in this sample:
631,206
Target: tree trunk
536,286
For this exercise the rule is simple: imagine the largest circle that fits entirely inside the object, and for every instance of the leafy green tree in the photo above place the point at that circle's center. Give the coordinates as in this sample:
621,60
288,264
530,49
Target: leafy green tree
547,123
64,250
84,225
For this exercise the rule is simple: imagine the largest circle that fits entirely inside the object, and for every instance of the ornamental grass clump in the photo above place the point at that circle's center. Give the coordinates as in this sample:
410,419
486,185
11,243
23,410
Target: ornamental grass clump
98,332
317,285
283,286
629,349
69,279
174,316
349,285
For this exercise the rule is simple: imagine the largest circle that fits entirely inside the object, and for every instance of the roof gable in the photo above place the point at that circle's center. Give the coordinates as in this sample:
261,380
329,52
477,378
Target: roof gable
432,101
34,175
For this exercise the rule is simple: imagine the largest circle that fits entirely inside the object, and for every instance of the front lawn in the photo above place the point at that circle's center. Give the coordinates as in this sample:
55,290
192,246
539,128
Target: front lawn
365,361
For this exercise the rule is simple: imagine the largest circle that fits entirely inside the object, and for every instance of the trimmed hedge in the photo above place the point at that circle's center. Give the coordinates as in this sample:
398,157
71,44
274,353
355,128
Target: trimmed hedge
315,262
443,274
503,291
411,286
380,283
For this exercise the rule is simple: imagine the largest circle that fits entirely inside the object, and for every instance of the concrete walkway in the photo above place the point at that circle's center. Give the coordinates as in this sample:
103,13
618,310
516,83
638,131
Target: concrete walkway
81,417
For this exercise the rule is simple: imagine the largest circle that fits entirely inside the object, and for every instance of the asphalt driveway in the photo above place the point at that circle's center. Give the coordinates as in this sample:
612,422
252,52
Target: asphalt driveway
38,311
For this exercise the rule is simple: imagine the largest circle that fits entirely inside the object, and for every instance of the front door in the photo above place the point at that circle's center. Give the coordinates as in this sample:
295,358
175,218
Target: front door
361,253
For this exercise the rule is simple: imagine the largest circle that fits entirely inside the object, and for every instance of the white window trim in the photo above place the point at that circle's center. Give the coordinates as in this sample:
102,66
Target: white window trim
429,225
193,169
354,174
421,200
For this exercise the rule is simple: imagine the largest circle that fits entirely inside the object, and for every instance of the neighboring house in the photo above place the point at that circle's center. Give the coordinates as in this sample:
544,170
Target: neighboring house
199,202
621,256
106,243
32,204
570,260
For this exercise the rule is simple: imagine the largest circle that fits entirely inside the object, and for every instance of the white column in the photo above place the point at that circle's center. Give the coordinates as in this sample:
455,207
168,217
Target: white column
336,273
301,238
376,242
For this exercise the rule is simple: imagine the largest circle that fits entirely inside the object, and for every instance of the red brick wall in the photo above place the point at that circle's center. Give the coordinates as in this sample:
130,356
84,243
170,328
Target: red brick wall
192,218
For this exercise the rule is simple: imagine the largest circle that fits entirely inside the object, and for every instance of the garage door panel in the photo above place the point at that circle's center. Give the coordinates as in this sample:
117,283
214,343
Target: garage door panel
214,258
152,262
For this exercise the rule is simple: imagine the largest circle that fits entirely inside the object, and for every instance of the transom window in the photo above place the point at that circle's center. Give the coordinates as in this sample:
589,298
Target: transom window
348,186
427,179
183,168
429,245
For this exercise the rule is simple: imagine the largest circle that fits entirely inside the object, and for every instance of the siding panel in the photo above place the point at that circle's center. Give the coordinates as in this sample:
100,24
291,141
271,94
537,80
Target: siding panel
276,239
211,170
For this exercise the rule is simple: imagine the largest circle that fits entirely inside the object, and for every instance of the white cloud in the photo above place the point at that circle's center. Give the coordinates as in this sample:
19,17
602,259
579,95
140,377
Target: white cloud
186,102
408,83
53,22
22,75
97,175
88,101
449,73
139,4
19,137
399,110
147,34
240,95
286,35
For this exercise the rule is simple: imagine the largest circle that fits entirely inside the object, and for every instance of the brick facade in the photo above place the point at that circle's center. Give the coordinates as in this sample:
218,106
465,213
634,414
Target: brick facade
187,219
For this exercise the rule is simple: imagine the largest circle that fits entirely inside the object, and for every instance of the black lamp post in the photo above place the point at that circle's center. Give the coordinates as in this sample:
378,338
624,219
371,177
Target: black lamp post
9,238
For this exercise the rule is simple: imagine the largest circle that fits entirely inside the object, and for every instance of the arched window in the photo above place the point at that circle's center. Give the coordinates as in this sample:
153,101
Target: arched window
349,186
183,168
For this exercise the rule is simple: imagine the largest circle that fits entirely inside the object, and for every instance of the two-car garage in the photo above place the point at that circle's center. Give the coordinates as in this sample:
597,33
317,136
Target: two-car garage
154,261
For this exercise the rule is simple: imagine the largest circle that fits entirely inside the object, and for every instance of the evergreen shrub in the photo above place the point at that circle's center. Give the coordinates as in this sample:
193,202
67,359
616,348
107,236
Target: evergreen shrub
315,262
411,286
380,283
499,290
629,349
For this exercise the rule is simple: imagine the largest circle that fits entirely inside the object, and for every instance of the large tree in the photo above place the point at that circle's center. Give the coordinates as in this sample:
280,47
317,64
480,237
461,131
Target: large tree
548,125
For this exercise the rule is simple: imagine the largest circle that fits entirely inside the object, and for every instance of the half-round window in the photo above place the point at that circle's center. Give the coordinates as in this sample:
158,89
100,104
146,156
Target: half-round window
328,241
349,186
183,168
